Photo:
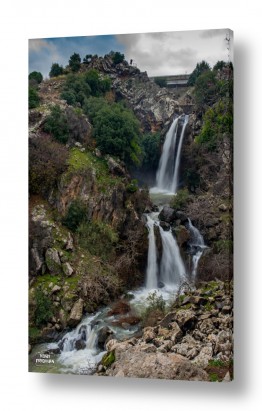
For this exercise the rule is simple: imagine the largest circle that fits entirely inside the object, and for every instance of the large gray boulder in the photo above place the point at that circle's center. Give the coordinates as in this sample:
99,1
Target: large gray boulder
76,313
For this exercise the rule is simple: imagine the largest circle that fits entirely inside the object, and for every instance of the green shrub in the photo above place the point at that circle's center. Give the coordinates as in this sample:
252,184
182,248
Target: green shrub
36,76
206,88
180,199
108,359
57,125
155,307
132,187
33,97
99,238
218,122
76,214
223,246
43,311
56,70
117,57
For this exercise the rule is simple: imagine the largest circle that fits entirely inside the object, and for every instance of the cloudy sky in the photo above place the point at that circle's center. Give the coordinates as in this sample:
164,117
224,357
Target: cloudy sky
157,53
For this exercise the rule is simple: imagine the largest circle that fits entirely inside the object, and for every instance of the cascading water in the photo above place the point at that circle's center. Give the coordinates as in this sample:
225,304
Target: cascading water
172,269
152,268
197,245
168,169
164,173
175,182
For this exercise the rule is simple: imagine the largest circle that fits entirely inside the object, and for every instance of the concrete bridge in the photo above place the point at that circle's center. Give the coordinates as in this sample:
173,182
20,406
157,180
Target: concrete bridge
179,80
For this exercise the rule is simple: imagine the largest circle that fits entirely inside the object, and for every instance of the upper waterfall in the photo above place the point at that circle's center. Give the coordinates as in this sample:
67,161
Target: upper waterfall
168,169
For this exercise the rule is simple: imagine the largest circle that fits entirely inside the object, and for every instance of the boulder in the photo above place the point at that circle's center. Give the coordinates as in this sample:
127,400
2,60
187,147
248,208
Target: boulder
115,168
136,363
167,214
176,333
149,334
103,336
53,261
186,319
67,269
182,235
76,313
165,225
80,344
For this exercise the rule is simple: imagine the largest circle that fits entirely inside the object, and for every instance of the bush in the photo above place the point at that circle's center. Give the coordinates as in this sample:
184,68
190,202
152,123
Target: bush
43,311
99,238
206,89
33,98
180,199
133,186
118,57
36,76
199,69
57,125
47,161
76,214
155,307
218,122
56,70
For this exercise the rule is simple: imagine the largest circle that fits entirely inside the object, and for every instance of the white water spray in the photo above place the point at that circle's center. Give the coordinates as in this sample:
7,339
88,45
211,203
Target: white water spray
175,181
197,244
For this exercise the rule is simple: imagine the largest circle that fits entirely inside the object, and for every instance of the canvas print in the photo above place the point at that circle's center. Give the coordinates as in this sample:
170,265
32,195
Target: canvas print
131,205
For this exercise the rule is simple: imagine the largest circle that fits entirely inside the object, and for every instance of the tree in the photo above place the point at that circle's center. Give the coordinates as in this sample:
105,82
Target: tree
206,88
200,68
56,70
118,57
116,129
36,76
219,65
75,62
150,150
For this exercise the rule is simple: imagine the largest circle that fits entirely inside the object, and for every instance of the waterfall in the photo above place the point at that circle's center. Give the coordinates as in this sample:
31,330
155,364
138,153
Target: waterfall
166,164
152,269
172,269
168,169
197,245
178,155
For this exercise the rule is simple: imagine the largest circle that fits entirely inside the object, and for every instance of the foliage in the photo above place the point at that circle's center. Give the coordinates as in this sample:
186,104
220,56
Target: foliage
76,214
199,69
75,62
116,130
117,57
47,161
133,186
218,122
56,70
57,125
98,237
160,81
33,97
206,88
223,246
36,76
180,199
79,87
43,311
108,359
219,65
155,306
150,150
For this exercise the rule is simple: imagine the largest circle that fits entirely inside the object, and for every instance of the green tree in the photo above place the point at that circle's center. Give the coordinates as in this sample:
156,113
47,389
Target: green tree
43,311
56,70
219,65
199,69
150,150
116,129
117,57
87,58
75,62
36,76
57,125
76,214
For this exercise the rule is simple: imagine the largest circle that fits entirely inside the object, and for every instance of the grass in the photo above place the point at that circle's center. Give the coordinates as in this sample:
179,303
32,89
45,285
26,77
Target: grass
82,162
